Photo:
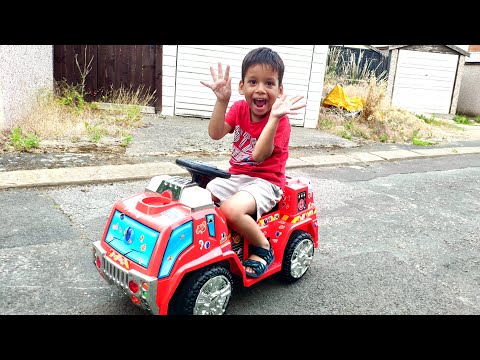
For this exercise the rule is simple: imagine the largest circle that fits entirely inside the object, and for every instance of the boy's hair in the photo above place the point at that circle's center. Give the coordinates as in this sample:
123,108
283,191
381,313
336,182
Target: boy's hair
264,56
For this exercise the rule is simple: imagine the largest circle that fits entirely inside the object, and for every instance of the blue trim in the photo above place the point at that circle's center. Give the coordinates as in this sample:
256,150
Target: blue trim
180,239
211,225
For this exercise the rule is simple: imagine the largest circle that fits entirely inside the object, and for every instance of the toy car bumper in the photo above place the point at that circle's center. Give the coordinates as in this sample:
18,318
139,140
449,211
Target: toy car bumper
141,289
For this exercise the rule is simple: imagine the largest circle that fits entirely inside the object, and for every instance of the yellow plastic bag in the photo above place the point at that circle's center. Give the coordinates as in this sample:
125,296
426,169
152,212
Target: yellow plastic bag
337,98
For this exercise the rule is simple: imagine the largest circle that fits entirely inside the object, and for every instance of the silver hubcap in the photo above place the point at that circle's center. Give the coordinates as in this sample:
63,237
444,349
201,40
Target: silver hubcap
301,258
213,297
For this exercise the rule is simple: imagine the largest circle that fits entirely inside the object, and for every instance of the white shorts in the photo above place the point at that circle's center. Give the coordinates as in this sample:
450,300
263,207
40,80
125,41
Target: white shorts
266,194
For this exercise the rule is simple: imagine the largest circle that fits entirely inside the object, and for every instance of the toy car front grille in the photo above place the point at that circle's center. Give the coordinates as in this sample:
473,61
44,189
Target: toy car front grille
115,273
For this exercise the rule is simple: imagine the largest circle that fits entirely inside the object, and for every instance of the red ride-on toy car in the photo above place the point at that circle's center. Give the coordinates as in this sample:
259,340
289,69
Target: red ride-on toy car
169,247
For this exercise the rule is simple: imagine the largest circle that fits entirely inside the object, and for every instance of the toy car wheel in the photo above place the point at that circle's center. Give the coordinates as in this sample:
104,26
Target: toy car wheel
298,256
206,292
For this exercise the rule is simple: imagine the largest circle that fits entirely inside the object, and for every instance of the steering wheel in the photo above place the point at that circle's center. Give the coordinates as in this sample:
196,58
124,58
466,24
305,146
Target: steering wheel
202,172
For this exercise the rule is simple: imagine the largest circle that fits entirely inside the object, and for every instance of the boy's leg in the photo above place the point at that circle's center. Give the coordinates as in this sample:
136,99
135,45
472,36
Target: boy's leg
239,210
243,200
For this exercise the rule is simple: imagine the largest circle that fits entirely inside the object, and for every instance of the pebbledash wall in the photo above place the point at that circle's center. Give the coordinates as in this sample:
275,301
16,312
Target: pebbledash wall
25,72
469,98
185,65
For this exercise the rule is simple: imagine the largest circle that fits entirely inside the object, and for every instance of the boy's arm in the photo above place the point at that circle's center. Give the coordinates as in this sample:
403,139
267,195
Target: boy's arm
222,87
282,106
217,127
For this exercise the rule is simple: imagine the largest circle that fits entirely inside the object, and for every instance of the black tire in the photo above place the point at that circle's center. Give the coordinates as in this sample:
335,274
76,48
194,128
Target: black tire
297,257
211,286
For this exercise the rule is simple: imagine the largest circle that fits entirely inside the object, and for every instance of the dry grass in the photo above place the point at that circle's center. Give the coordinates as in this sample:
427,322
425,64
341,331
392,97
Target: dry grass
129,96
379,121
64,116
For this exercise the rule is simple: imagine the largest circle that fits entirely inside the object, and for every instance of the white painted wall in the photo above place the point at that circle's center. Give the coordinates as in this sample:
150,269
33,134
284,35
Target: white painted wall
424,81
25,72
169,69
186,65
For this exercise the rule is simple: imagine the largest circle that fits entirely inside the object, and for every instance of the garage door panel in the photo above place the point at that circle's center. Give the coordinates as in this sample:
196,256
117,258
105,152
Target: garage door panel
288,52
427,73
193,66
427,58
419,84
202,66
424,81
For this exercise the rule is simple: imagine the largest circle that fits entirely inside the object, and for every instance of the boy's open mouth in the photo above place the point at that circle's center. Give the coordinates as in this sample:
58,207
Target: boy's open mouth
260,103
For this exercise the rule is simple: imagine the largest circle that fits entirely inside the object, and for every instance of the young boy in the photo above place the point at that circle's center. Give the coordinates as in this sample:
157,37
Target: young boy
261,134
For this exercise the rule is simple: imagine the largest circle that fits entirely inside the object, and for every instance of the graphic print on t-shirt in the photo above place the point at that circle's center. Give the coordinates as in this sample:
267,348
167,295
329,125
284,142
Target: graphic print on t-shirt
242,148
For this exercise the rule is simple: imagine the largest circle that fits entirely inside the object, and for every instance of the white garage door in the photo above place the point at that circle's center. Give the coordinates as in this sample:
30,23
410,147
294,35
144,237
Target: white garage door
193,65
424,81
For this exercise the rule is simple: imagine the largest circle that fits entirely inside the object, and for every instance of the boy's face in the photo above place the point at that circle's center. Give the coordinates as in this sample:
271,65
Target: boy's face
260,88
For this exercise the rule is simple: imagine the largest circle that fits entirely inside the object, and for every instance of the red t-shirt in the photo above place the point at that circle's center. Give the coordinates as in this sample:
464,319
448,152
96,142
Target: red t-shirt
245,135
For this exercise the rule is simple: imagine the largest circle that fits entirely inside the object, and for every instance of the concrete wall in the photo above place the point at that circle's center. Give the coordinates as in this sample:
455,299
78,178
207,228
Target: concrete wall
25,71
469,96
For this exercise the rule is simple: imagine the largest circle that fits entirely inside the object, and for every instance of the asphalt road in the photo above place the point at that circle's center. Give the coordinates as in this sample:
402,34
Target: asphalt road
395,238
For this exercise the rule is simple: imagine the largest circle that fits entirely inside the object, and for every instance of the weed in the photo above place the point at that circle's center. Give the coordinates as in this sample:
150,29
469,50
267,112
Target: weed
326,124
420,142
129,96
461,119
126,140
134,113
23,142
95,132
379,120
346,135
383,138
346,68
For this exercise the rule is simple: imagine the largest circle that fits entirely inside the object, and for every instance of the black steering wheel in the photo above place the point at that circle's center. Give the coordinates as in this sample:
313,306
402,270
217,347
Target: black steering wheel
202,172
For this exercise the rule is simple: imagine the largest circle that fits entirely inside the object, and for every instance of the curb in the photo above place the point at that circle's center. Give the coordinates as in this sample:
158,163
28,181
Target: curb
128,172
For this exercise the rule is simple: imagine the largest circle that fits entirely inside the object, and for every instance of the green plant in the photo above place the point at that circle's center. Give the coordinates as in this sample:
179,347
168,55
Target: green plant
477,119
325,124
461,119
134,113
126,140
420,142
83,72
71,95
95,132
346,135
23,142
348,126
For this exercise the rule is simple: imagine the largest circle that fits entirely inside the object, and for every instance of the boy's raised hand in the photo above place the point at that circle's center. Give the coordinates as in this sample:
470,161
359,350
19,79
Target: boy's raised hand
284,106
222,84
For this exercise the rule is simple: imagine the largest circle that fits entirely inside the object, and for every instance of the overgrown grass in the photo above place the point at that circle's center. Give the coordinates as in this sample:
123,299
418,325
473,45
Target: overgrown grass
129,96
378,121
344,67
64,115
